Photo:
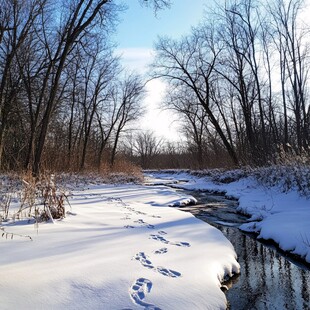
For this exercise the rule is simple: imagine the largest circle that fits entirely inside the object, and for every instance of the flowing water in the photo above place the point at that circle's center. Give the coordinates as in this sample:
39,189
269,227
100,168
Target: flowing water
268,279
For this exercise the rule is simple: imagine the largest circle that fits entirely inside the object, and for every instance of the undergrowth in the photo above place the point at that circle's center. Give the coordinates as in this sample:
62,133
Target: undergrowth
41,198
36,200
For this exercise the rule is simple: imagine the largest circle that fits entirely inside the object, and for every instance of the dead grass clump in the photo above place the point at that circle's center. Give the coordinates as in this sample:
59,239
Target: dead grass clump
5,202
122,171
41,199
35,200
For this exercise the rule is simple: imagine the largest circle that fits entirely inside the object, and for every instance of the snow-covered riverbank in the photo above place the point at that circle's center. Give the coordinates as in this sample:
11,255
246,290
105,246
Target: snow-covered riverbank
120,247
282,217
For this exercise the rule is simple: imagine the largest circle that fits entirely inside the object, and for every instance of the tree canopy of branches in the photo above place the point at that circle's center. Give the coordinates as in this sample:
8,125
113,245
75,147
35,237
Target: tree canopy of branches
63,96
246,67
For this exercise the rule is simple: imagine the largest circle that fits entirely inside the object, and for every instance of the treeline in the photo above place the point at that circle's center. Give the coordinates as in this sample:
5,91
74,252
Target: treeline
148,151
241,79
64,99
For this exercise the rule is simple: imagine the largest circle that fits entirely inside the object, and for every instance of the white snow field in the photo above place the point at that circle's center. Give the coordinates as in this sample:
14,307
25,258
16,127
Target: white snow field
282,217
119,247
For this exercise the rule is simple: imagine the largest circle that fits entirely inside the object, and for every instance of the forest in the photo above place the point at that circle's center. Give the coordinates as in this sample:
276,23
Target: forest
98,213
238,81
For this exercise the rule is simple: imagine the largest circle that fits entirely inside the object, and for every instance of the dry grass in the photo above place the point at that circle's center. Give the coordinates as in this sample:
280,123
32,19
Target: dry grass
39,199
122,171
5,202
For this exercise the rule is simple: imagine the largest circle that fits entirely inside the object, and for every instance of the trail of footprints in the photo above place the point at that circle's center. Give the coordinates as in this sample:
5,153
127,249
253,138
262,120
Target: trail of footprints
160,238
138,291
145,262
142,286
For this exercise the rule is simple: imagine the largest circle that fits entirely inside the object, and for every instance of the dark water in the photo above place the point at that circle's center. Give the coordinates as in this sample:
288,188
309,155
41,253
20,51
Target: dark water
268,279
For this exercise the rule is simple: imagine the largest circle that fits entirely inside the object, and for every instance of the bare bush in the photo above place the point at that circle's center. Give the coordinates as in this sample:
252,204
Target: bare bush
41,199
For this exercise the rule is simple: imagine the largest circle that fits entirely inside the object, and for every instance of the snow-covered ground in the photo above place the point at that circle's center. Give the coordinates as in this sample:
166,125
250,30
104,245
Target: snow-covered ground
283,217
119,247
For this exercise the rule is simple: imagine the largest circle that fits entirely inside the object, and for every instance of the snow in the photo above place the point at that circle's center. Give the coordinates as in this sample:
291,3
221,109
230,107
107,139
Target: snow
281,217
119,247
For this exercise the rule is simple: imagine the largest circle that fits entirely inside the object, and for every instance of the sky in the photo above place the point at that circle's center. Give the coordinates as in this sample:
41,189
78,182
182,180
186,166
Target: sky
136,35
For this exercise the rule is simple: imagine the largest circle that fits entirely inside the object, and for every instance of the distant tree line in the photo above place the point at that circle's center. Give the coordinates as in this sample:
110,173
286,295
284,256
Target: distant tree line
240,81
147,150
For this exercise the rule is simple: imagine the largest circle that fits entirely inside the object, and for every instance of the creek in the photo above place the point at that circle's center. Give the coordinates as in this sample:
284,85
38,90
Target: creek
269,279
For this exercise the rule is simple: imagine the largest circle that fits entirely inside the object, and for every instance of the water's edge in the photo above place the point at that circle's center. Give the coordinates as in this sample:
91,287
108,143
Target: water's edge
269,278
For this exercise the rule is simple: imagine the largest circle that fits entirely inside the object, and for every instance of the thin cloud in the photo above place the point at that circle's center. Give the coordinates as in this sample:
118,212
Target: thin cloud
136,58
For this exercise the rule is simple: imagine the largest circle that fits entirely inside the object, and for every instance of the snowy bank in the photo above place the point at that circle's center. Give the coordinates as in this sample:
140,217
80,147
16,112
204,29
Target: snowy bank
120,247
276,215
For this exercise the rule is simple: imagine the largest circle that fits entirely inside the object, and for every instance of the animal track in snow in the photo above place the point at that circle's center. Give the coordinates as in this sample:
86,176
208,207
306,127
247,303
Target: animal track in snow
165,241
161,251
141,221
113,200
168,272
155,216
137,292
183,244
145,262
143,259
135,211
139,212
161,232
159,238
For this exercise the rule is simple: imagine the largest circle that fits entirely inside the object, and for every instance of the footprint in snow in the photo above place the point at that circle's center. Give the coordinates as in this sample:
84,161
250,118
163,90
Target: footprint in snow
165,241
137,292
161,251
141,221
183,244
168,272
135,211
143,259
145,262
155,216
161,232
139,213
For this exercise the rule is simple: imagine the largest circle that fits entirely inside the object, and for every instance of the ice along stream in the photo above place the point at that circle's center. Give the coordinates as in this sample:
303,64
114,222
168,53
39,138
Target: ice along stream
268,279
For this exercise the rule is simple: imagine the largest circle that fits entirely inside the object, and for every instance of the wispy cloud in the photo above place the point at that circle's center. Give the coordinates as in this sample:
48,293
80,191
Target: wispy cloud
137,59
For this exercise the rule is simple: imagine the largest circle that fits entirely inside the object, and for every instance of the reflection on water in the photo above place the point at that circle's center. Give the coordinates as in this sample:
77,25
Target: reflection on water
268,280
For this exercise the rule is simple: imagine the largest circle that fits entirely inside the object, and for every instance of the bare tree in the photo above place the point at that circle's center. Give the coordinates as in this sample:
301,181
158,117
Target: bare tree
79,19
127,96
290,38
156,4
15,28
194,122
41,44
190,64
147,146
97,74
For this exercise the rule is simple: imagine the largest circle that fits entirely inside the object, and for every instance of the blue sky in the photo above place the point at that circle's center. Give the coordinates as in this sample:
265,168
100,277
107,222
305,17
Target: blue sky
139,27
136,34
